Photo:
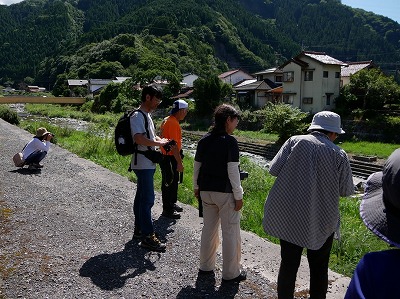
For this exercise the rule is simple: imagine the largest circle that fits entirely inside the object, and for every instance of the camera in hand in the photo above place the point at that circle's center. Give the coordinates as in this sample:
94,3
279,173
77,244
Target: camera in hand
243,175
167,146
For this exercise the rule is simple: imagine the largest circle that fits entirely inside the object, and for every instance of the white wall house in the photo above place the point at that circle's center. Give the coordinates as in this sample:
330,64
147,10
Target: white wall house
235,76
188,79
351,68
311,81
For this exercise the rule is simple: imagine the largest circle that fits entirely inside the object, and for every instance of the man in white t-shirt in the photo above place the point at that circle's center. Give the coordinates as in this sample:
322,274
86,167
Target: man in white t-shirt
144,136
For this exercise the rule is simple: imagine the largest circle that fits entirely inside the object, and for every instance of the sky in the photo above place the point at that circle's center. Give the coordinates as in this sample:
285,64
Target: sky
387,8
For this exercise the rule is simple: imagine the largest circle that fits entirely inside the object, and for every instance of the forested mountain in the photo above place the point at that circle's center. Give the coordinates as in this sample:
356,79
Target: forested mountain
103,38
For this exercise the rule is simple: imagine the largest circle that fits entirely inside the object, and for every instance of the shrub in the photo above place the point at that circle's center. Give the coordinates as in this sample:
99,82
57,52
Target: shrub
250,121
87,106
9,115
284,120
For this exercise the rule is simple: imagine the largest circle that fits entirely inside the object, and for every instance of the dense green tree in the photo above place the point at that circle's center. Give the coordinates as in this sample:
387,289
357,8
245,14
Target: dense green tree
60,88
209,93
369,89
106,70
103,102
29,80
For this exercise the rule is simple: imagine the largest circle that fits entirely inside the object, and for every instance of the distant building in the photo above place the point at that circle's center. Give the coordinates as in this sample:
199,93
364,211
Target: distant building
255,93
34,88
351,68
8,89
274,75
94,86
184,94
188,79
311,81
234,76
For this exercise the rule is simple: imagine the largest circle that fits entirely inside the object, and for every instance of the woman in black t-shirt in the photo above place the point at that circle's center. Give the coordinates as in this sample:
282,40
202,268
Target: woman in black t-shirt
217,182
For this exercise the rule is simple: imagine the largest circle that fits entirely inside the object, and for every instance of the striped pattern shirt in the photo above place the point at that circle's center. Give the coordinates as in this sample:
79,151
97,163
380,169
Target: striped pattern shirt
302,207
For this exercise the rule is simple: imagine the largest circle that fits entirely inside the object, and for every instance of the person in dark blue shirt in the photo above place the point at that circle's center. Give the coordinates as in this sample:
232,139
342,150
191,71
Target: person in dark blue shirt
377,273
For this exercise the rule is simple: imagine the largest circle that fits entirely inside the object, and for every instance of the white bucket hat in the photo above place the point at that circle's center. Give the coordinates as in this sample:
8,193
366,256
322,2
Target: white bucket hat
380,206
328,121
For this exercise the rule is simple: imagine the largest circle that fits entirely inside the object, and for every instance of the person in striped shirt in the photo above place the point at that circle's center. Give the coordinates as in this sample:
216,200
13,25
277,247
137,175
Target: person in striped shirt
302,207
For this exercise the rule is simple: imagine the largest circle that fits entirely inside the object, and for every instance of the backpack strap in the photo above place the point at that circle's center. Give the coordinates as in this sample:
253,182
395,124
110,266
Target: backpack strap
146,126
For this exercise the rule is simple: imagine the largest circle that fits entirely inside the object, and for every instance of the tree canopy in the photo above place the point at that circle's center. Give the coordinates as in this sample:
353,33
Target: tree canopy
369,89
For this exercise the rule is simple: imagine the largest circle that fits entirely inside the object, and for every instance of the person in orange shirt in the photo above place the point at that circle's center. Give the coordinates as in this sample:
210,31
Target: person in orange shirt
172,167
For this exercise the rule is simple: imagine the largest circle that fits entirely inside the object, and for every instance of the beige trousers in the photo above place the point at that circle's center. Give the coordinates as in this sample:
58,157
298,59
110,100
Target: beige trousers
219,208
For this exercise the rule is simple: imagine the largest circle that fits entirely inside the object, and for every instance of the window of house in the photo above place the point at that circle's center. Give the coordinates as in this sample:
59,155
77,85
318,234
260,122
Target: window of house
288,76
307,100
328,99
325,74
337,74
278,78
308,75
286,99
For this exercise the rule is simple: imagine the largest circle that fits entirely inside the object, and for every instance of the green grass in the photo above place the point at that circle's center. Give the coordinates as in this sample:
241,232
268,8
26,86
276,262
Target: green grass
378,149
256,136
356,239
72,112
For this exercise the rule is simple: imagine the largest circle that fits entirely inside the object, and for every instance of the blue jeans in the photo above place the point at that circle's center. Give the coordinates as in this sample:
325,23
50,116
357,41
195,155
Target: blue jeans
35,157
144,200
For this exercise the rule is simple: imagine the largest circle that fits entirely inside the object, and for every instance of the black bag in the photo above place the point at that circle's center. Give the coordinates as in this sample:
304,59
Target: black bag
123,135
153,156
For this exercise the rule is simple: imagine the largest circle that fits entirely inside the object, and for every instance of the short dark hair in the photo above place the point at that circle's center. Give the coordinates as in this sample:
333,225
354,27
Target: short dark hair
221,114
152,91
321,131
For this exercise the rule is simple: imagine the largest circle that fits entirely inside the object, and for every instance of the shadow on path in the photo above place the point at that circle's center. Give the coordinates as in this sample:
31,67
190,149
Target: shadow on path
111,271
26,171
206,288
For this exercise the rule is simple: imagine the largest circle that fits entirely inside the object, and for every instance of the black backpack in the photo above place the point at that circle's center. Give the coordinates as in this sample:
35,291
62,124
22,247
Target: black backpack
123,135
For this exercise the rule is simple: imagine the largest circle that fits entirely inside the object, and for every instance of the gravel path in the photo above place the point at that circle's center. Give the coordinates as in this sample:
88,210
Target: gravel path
66,232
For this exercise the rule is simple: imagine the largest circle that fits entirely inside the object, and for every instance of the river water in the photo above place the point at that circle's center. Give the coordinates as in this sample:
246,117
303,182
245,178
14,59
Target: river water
71,123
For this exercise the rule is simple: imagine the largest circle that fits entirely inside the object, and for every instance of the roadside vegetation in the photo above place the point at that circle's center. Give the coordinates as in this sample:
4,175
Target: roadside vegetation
97,145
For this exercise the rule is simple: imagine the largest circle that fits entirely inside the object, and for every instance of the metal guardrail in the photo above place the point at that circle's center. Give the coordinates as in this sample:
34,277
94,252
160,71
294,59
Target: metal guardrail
41,100
360,169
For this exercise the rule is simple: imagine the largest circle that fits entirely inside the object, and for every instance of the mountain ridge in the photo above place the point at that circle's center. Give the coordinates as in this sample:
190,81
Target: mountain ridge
41,38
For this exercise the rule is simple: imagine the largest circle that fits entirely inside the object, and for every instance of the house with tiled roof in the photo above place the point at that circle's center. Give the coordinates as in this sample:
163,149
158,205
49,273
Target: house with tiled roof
274,75
351,68
234,76
253,93
311,81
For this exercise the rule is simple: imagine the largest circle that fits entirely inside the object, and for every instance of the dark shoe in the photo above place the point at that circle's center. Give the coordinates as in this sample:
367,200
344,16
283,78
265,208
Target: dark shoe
32,167
242,276
38,165
178,208
137,234
206,272
153,243
172,215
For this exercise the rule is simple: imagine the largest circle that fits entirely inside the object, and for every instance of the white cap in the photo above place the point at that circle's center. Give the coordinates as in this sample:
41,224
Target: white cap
178,104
